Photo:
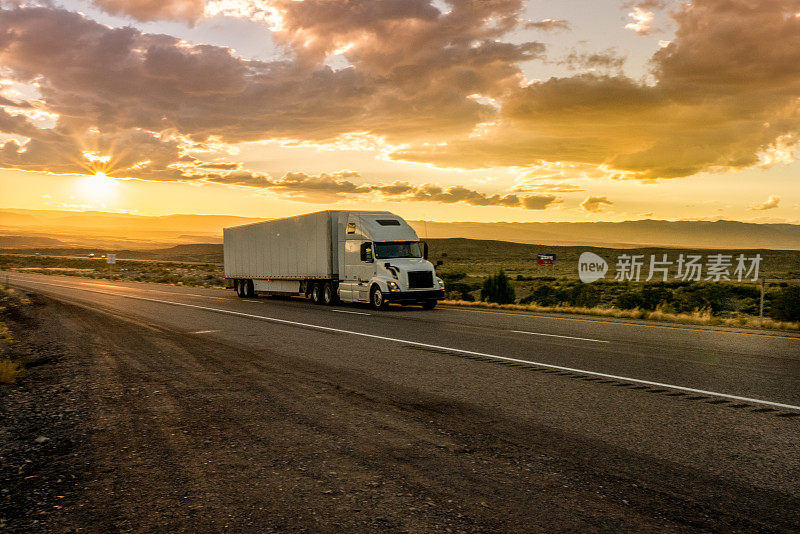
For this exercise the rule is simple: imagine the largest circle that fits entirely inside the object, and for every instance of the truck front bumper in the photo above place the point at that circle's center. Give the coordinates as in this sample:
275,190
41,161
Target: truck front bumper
414,296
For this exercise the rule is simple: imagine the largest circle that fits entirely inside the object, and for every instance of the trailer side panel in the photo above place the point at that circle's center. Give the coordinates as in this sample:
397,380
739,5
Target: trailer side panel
284,249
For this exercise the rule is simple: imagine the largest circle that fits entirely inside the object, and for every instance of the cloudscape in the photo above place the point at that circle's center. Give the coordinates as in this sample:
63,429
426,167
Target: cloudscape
448,110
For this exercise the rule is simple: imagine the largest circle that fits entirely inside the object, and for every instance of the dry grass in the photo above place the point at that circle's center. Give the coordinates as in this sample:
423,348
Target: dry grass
10,371
5,334
698,317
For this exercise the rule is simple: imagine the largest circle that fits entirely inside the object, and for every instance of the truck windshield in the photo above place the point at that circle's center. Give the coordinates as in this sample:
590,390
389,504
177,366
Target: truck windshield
398,249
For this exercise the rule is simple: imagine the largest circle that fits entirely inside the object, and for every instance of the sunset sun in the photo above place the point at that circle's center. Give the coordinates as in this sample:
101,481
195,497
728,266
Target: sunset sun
97,187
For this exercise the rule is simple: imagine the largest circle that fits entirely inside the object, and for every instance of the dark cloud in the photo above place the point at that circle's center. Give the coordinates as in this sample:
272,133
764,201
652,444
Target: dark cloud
548,24
404,88
435,193
397,188
323,187
549,187
221,166
726,89
539,202
147,10
595,204
5,102
647,4
723,90
606,61
146,99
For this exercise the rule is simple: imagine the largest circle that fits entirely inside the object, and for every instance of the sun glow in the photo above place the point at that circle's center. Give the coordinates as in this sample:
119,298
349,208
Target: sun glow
97,187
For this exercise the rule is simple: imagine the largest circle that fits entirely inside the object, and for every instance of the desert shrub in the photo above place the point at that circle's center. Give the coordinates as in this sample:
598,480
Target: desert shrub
543,296
785,305
629,300
10,371
584,295
497,288
452,276
655,295
457,287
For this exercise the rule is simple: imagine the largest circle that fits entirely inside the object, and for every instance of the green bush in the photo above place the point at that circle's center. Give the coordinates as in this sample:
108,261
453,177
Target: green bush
629,300
498,289
543,296
584,295
785,306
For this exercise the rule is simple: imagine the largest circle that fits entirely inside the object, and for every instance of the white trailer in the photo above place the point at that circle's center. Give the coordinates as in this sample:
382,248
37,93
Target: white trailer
330,256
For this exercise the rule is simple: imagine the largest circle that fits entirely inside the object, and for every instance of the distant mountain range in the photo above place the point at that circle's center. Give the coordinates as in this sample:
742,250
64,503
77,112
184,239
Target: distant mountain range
51,228
689,234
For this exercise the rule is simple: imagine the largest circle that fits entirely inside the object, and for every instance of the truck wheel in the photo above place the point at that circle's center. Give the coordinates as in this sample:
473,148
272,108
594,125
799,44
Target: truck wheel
328,294
377,299
429,304
316,293
239,286
249,289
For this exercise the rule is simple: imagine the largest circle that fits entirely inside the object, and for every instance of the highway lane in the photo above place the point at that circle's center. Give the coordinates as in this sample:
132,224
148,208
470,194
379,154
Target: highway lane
758,365
670,431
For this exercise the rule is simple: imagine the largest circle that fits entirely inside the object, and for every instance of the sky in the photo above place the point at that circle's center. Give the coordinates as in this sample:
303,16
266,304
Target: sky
459,110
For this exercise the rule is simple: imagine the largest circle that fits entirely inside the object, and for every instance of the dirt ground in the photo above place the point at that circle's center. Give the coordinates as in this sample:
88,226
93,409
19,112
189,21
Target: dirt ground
121,425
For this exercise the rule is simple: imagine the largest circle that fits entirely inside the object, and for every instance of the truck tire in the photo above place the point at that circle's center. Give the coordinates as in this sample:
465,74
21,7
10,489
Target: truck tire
239,287
249,289
328,294
429,304
377,299
316,293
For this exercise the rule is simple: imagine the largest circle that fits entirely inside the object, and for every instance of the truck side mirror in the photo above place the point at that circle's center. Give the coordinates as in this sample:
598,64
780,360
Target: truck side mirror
440,262
424,250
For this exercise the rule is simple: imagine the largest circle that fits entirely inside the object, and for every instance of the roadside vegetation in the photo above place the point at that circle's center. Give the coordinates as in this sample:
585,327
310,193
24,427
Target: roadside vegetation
10,368
159,272
717,303
521,286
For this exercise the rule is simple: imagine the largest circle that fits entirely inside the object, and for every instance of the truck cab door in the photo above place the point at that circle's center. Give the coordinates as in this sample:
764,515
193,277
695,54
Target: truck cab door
359,266
366,269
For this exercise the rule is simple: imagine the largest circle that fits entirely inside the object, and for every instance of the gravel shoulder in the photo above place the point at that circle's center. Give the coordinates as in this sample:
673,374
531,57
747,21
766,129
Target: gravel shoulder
151,429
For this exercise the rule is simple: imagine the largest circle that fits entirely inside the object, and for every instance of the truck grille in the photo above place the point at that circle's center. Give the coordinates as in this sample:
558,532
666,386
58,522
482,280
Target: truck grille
417,279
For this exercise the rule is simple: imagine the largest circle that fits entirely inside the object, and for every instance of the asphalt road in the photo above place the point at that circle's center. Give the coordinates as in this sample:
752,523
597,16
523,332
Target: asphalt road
700,410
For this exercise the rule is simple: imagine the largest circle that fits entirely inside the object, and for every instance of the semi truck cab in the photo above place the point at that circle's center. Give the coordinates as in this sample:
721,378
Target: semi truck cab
384,261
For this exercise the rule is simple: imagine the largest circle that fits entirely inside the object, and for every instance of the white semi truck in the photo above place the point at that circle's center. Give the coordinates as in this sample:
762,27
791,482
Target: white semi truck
330,256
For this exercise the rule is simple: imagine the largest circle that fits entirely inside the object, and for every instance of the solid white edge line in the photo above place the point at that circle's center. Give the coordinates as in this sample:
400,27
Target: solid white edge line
439,347
556,335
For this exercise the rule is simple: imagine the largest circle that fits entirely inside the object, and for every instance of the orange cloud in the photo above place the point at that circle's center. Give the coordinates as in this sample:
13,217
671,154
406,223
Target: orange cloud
548,24
326,187
771,203
445,85
595,204
726,89
146,10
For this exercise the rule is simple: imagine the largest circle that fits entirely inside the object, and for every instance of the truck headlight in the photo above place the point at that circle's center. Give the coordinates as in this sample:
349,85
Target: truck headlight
392,286
441,284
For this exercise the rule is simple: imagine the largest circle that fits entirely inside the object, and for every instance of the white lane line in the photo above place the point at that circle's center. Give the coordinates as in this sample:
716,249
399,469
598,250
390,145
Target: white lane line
204,332
353,312
439,347
556,335
194,295
159,291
